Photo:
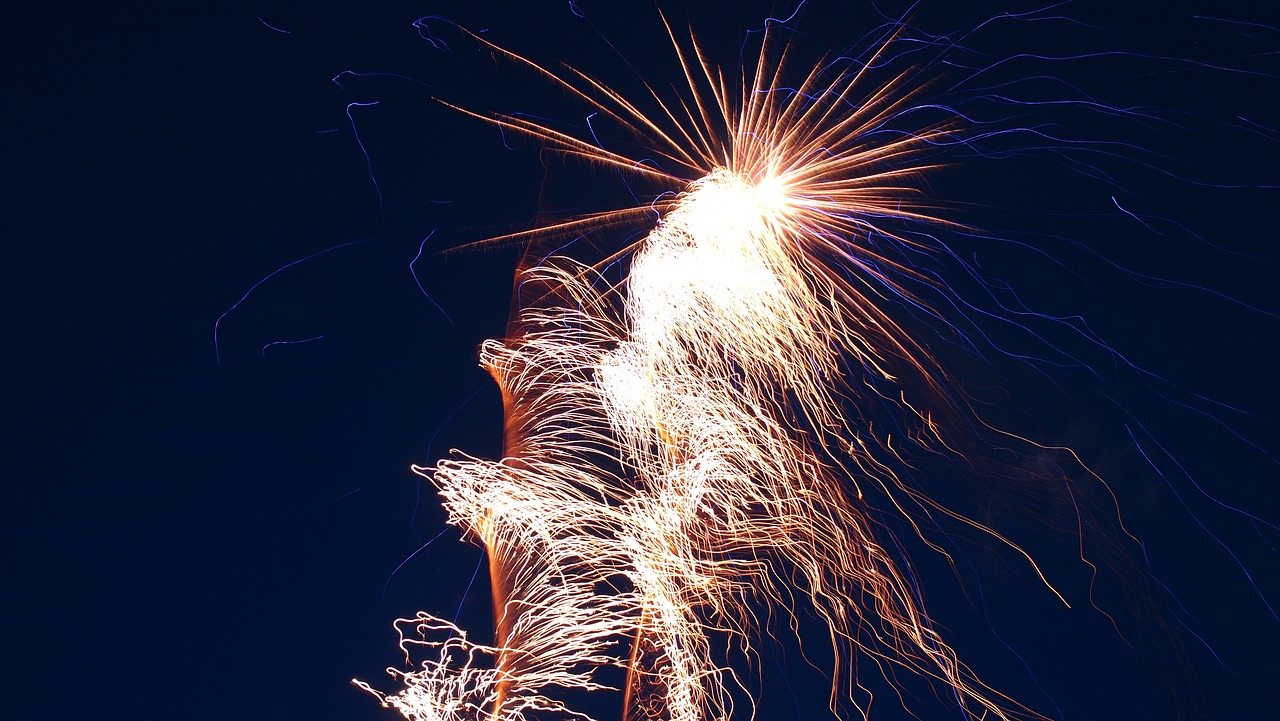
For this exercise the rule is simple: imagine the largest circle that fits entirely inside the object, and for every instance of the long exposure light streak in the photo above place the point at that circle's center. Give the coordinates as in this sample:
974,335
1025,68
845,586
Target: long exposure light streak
685,452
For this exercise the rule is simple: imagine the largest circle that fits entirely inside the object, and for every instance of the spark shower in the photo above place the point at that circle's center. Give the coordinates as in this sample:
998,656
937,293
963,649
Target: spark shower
722,426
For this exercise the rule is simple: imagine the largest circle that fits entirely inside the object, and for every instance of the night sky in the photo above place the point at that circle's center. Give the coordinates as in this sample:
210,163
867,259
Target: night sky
212,531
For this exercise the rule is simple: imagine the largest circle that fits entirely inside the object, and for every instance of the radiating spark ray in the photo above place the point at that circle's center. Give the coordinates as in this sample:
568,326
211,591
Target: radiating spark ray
681,155
564,140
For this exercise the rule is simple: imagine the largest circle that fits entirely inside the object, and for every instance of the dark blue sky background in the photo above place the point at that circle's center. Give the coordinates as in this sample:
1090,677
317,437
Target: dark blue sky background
199,532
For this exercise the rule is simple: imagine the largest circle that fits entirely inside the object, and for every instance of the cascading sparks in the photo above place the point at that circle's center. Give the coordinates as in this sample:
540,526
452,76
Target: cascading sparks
680,453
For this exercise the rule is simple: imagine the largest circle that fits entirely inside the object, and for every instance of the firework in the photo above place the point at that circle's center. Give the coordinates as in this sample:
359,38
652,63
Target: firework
691,450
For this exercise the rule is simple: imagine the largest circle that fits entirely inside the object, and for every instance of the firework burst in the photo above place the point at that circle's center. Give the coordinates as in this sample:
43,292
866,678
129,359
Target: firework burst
692,449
